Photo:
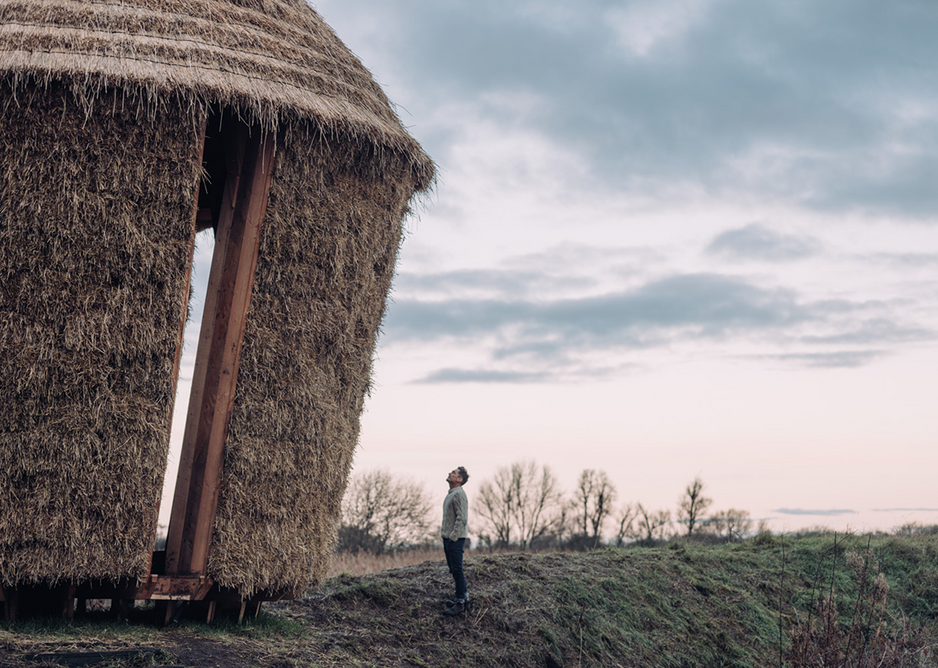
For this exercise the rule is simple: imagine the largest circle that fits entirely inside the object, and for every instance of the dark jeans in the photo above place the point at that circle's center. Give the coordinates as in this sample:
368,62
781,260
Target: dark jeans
453,550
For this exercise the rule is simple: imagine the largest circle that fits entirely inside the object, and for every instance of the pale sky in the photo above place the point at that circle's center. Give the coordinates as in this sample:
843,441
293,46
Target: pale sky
670,238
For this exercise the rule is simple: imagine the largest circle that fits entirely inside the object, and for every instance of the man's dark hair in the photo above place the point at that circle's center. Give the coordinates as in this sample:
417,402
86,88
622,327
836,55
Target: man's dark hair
463,473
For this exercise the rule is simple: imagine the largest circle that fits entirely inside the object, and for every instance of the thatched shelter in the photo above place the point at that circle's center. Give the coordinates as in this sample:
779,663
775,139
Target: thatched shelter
126,124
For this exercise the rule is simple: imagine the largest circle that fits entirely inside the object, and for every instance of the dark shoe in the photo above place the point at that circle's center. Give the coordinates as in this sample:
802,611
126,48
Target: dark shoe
456,609
450,602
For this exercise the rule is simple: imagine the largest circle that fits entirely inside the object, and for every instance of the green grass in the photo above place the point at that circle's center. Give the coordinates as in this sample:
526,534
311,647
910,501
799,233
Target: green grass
677,605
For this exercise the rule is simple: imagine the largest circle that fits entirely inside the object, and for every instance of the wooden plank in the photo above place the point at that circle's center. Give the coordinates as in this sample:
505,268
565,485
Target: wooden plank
175,588
10,605
68,603
231,282
185,479
204,219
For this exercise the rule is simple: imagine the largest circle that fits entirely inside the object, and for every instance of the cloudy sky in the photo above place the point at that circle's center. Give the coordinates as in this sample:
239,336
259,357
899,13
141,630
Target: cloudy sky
670,238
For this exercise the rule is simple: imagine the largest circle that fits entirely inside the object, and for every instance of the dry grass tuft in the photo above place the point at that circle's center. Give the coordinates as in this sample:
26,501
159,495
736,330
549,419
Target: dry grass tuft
363,563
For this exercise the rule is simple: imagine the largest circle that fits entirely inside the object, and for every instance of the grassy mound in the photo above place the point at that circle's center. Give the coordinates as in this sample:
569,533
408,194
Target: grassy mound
675,605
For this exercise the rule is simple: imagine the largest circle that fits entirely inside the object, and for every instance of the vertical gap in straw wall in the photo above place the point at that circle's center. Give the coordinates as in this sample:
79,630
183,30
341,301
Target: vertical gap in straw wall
201,267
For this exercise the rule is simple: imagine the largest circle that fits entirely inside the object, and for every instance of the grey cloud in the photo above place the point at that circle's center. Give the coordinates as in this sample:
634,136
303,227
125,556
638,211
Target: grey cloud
844,359
497,281
761,97
452,375
624,259
700,305
757,242
533,340
802,511
558,270
907,259
865,331
905,510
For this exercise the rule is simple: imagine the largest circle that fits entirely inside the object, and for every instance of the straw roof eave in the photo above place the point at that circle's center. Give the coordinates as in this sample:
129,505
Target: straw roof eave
270,61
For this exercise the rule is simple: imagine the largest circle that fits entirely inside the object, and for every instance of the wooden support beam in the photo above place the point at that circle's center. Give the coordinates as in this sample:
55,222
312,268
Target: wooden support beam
165,612
174,588
68,602
204,220
250,159
11,600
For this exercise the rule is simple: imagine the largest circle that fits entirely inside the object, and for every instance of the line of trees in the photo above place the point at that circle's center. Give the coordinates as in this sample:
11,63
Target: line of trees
381,513
522,506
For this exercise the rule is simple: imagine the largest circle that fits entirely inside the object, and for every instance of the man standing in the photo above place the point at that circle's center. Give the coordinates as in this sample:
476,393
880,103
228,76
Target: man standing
455,530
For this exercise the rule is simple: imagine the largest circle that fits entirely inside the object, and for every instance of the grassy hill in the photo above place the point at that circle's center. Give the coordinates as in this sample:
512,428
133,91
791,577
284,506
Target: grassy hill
675,605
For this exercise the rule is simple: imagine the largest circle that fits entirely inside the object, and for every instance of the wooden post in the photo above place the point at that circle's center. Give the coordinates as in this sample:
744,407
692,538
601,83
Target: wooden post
10,600
68,602
250,167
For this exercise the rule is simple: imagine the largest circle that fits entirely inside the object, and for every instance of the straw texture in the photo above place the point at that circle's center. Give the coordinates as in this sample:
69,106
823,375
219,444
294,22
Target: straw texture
271,60
93,249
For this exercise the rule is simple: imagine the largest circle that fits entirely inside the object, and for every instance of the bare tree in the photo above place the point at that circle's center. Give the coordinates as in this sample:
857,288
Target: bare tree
594,497
493,504
732,523
652,525
520,504
625,522
537,503
693,504
380,513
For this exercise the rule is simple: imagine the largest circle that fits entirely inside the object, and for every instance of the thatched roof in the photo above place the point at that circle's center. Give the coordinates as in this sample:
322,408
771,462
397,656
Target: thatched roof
270,60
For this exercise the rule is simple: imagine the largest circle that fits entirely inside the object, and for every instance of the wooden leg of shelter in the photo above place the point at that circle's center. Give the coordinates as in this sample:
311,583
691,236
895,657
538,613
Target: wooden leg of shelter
120,608
68,602
10,599
210,613
165,610
231,281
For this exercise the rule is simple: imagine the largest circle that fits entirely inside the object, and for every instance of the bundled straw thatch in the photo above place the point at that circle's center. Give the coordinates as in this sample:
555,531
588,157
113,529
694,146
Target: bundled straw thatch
273,61
101,105
93,249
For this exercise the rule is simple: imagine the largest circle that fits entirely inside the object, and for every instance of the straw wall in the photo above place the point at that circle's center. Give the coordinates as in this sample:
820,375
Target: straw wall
95,220
327,255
